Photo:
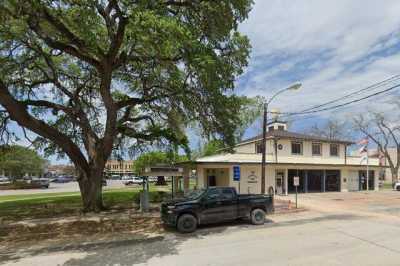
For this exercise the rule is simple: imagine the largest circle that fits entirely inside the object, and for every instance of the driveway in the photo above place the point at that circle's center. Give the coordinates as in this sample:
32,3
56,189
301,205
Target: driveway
385,203
338,229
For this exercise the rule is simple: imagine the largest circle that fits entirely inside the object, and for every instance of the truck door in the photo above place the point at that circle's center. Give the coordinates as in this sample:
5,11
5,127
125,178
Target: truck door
212,207
220,205
229,204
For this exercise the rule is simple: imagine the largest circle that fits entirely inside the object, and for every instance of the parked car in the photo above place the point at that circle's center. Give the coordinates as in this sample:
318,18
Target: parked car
212,205
396,186
63,179
115,177
4,180
132,180
152,179
40,182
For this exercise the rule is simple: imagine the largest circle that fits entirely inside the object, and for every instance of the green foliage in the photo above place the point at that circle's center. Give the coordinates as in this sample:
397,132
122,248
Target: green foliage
212,147
18,161
157,158
186,56
251,109
88,76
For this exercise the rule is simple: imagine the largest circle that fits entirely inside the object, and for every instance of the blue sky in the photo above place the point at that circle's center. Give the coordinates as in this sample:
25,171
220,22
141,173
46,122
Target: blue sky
331,47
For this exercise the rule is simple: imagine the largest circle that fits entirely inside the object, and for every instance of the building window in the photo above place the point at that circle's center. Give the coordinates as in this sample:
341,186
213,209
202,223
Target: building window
316,149
271,128
297,147
334,150
259,147
281,128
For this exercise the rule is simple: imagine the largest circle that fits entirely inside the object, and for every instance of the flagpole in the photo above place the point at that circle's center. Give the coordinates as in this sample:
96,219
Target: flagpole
367,167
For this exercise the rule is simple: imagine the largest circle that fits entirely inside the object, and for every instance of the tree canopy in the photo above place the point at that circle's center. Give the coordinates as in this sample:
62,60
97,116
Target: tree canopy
88,75
17,161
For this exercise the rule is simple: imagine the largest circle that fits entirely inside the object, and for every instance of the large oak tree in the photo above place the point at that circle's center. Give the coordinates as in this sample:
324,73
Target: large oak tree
85,75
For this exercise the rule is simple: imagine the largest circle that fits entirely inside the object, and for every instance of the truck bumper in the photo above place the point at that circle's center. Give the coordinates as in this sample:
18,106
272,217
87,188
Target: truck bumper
168,217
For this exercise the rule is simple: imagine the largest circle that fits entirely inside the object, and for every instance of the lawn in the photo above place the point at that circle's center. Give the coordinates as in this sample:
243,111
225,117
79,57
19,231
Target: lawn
31,206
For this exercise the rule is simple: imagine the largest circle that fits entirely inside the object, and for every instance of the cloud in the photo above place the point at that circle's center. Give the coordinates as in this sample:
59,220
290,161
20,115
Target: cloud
331,47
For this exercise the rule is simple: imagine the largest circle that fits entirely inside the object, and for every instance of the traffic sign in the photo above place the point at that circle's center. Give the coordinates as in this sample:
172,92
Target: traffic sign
236,173
296,181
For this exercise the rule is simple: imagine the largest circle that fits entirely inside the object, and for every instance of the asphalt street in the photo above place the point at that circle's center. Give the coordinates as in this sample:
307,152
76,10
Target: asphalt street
338,229
58,188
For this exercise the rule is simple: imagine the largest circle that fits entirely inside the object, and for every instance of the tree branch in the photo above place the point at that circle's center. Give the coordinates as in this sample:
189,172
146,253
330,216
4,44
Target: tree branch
17,112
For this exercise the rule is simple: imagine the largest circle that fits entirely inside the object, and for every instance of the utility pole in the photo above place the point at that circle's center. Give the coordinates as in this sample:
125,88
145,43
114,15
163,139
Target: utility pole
264,139
264,147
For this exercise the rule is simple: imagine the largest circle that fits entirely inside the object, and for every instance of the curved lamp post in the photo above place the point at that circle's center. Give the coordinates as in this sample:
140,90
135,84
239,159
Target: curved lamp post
263,145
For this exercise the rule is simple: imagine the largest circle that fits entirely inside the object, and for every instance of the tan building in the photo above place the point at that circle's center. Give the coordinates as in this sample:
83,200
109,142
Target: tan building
321,164
116,167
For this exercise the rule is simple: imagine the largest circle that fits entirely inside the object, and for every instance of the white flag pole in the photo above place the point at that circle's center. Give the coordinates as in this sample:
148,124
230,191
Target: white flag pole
367,167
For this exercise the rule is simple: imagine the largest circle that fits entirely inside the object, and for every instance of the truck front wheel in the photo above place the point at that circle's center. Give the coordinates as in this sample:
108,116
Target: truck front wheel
257,216
187,223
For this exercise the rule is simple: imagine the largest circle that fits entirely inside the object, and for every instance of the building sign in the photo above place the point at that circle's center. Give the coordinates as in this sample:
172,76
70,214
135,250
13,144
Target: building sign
296,181
252,178
236,173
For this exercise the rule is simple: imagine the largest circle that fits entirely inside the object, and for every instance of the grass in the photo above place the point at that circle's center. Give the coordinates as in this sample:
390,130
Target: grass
31,206
387,185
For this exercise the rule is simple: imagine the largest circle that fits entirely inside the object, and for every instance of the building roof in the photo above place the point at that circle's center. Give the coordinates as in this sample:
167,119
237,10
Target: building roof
255,158
293,135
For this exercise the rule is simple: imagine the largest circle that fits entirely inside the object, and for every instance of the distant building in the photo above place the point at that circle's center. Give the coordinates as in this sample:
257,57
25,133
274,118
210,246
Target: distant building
117,167
61,169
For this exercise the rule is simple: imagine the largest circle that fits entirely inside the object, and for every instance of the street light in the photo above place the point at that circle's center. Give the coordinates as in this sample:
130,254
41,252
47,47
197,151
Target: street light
264,139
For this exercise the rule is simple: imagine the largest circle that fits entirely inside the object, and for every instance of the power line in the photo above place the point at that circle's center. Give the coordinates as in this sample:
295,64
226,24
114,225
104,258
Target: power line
374,86
343,104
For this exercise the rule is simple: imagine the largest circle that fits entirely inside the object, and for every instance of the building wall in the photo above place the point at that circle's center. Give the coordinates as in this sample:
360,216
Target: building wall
287,149
246,148
250,181
119,167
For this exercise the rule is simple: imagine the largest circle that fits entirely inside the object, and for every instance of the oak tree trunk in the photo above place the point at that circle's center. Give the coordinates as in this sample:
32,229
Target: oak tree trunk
394,172
91,190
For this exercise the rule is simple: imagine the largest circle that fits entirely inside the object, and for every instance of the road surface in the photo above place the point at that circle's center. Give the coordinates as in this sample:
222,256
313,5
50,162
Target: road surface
58,188
360,229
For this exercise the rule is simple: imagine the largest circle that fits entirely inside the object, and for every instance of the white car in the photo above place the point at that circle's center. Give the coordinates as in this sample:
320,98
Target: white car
132,180
4,179
396,186
153,179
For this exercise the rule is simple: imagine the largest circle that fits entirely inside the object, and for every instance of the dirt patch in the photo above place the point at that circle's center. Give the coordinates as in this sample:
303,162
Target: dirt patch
19,235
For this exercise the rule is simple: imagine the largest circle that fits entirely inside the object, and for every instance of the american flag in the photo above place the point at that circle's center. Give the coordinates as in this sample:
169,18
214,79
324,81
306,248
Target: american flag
363,141
363,149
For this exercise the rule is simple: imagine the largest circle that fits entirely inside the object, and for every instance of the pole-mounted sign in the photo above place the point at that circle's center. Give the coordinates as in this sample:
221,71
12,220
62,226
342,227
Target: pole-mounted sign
296,183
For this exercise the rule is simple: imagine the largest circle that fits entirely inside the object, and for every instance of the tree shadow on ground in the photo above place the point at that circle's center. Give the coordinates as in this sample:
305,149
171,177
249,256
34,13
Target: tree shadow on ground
140,248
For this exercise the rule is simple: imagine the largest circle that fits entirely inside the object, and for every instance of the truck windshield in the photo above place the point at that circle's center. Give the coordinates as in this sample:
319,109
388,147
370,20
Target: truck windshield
195,194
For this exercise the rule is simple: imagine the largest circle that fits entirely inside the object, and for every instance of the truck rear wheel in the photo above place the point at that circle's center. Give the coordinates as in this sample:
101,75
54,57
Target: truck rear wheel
257,216
187,223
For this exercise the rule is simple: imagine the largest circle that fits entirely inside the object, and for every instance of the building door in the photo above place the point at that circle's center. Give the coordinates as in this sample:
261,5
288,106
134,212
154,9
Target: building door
332,181
301,174
280,183
314,180
211,181
363,180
